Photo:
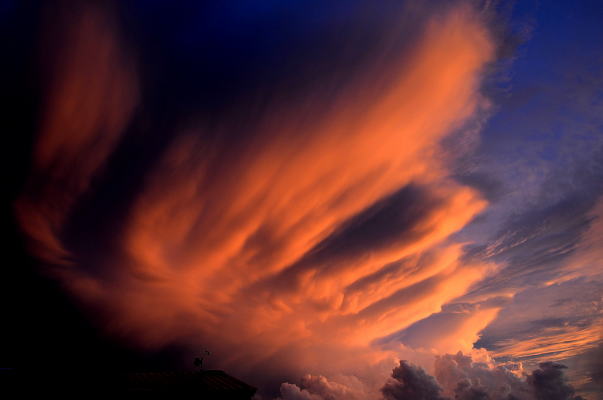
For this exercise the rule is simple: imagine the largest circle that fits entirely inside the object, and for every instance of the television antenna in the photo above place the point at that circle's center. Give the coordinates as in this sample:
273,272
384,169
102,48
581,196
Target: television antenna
199,360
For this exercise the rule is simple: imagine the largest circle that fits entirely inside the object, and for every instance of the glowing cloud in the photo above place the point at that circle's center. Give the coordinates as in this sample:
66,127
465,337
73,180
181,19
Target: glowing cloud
295,248
91,92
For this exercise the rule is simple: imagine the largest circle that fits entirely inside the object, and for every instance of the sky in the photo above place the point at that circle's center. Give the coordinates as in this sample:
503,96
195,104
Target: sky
339,200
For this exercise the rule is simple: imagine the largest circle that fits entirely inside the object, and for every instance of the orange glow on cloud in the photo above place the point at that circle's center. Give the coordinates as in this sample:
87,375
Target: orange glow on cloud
586,261
91,93
246,256
556,343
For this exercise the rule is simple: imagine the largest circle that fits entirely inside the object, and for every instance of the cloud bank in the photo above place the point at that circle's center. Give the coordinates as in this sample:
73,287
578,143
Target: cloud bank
283,239
456,377
293,203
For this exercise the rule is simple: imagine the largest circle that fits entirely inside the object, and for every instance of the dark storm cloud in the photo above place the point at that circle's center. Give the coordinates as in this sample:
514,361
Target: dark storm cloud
549,383
596,364
457,377
466,391
411,382
460,376
593,361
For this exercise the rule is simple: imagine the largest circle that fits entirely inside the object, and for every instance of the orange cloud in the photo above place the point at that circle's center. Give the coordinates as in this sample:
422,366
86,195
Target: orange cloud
555,343
280,248
90,94
586,261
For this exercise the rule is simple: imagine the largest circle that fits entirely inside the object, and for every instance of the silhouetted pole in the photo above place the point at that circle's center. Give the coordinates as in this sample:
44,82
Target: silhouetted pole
199,360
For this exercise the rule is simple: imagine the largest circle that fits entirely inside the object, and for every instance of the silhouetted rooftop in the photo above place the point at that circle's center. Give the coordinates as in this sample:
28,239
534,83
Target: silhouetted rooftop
212,382
200,385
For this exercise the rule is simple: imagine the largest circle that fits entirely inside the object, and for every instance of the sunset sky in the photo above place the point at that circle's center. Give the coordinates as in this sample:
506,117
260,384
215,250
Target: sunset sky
333,198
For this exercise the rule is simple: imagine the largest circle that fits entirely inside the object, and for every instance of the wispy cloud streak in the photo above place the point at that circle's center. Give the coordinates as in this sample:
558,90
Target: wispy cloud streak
285,242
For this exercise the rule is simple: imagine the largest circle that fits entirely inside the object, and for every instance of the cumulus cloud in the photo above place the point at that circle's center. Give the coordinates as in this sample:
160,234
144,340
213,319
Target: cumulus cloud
466,391
549,383
458,373
411,382
290,391
320,388
456,377
459,378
